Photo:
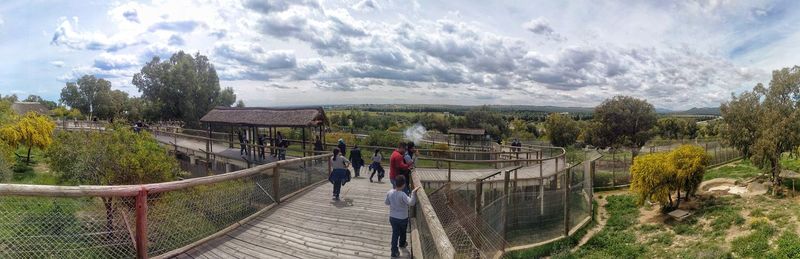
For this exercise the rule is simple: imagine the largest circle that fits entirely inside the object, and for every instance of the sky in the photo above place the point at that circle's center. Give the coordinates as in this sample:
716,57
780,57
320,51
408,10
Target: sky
675,54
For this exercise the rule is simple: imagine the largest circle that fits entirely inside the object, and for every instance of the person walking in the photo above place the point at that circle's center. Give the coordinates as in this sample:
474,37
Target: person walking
396,162
261,154
339,174
318,146
376,167
242,146
342,147
356,160
281,144
399,203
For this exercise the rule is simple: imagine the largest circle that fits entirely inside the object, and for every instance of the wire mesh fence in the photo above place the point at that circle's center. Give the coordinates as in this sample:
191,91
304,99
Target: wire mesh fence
104,221
613,169
483,217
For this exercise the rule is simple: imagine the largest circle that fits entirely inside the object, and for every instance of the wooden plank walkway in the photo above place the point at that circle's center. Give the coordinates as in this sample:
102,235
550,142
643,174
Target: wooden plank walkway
311,225
548,168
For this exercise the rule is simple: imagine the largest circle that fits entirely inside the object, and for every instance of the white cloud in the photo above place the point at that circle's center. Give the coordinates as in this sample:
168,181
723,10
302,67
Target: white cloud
667,52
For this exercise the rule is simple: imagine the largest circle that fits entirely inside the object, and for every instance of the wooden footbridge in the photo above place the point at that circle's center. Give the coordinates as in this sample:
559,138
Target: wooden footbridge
283,209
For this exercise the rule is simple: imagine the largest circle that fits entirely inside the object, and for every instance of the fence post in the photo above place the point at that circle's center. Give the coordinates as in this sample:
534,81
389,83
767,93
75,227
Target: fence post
276,184
478,196
566,202
504,214
141,224
449,170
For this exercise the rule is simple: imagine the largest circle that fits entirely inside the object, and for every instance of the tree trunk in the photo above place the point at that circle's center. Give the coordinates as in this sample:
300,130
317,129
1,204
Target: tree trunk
678,200
28,159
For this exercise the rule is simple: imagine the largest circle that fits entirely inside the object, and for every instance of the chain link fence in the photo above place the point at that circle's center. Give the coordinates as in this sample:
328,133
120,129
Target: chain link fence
613,169
482,218
152,219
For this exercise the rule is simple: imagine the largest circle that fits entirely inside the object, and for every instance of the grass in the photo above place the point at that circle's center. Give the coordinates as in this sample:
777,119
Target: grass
35,172
741,169
721,227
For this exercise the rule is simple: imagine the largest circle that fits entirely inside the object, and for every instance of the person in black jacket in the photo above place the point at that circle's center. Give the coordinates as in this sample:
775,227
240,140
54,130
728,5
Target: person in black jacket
242,147
318,146
356,160
342,147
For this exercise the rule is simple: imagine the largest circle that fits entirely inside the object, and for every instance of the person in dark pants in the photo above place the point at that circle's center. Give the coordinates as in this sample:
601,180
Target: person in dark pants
261,152
376,167
318,146
242,148
281,143
339,173
357,160
399,202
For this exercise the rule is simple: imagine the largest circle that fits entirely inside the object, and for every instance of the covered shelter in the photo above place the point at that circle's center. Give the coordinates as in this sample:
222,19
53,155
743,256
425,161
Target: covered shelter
467,136
22,108
253,122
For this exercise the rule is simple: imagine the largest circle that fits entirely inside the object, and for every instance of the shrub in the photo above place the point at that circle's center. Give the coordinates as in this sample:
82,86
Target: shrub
380,138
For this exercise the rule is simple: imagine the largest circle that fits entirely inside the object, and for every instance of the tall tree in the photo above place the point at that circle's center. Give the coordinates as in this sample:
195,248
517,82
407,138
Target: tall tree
622,121
562,129
778,122
741,116
90,95
185,87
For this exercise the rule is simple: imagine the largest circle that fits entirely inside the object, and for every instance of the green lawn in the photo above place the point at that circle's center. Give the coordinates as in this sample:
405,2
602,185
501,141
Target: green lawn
35,172
741,169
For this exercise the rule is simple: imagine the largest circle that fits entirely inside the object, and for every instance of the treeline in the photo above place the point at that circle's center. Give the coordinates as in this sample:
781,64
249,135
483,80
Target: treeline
183,88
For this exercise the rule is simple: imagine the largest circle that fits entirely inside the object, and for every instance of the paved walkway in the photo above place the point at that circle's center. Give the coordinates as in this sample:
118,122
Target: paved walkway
311,225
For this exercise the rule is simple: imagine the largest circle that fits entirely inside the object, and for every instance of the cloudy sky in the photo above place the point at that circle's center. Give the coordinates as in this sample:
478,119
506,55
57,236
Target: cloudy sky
677,54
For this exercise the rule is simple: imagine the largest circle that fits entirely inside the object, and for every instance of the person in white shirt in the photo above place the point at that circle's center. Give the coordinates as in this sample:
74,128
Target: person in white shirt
339,174
399,202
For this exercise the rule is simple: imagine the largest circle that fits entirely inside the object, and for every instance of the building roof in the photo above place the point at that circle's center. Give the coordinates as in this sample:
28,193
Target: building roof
22,108
272,117
464,131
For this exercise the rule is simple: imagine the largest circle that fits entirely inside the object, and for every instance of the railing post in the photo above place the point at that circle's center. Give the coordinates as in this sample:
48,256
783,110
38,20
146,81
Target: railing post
141,224
478,196
276,184
567,185
504,214
449,170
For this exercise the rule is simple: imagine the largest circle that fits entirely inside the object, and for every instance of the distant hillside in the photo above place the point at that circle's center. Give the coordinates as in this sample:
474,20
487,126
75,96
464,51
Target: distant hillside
699,111
457,108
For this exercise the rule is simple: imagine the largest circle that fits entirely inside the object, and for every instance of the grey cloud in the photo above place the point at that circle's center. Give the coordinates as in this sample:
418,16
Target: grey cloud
176,40
338,85
364,5
131,15
272,6
541,26
176,26
277,86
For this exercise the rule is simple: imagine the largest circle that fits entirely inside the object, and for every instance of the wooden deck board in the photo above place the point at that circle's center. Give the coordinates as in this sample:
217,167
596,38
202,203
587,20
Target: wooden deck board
311,225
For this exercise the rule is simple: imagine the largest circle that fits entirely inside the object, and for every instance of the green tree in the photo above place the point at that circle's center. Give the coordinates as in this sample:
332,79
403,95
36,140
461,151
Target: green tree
114,157
90,95
240,104
39,99
185,87
381,138
562,129
741,117
622,121
485,118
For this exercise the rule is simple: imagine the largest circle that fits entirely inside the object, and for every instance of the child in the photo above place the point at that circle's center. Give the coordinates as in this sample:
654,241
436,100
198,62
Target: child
399,202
